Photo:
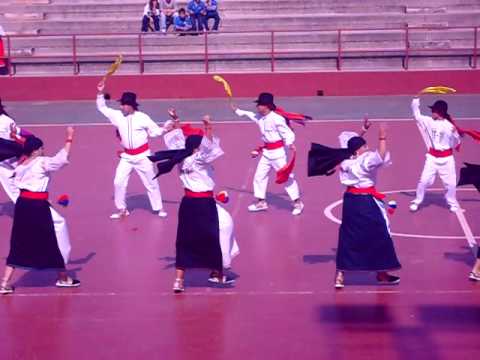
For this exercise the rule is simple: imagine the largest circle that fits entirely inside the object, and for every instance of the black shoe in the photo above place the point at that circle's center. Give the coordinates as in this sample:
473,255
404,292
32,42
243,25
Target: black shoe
389,280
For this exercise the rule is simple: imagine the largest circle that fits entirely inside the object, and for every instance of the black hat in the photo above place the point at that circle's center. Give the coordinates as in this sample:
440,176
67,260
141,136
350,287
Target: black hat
129,98
266,99
440,107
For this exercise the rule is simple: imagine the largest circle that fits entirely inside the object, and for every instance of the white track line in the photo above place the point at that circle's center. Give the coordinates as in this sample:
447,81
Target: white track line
328,212
232,122
249,293
467,230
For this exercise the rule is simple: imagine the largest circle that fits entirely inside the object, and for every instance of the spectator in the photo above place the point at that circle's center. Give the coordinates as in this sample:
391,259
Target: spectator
3,61
198,12
182,22
151,11
212,13
167,13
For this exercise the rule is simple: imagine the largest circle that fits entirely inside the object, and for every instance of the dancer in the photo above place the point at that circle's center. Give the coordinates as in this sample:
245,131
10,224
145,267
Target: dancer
39,238
199,232
134,129
364,241
276,134
7,124
441,137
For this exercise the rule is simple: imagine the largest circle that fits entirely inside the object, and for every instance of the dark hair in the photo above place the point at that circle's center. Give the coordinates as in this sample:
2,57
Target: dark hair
182,10
31,144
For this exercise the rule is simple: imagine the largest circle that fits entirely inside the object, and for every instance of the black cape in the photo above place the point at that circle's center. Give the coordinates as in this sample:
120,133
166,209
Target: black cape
470,175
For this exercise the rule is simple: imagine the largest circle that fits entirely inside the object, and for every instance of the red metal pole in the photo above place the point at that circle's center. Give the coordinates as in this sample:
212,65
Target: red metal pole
74,54
206,52
272,52
339,50
407,48
140,54
9,54
475,46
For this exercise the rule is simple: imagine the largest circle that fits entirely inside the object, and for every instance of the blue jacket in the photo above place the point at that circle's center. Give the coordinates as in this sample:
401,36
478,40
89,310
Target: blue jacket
181,23
196,8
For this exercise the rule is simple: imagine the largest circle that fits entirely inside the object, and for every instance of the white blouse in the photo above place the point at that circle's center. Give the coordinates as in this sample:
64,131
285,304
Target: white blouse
361,172
273,128
5,126
196,171
437,134
35,175
134,129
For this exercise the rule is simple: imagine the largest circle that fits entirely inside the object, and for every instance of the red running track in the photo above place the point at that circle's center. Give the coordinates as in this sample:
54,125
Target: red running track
283,305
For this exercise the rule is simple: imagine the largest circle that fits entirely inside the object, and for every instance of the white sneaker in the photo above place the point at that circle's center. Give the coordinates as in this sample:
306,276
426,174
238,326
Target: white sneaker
259,206
413,206
162,213
298,208
474,276
454,208
119,215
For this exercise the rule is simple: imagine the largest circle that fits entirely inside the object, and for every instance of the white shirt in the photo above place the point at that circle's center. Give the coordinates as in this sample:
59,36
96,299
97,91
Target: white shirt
437,134
5,126
2,32
146,10
196,171
134,129
361,172
273,128
35,175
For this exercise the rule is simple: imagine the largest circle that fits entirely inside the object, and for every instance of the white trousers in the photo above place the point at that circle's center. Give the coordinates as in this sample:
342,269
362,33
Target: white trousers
6,179
228,243
445,168
260,180
61,232
145,170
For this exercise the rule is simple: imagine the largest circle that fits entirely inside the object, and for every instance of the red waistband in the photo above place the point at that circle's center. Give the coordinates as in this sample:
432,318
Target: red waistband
138,150
193,194
440,153
275,145
366,191
33,195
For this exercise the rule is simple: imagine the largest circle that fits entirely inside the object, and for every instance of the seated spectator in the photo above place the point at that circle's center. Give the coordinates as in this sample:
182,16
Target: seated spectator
167,13
151,12
182,22
3,61
212,13
198,12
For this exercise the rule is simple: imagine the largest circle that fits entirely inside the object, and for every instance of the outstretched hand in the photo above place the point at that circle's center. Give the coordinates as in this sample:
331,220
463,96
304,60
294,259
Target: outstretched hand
366,123
101,86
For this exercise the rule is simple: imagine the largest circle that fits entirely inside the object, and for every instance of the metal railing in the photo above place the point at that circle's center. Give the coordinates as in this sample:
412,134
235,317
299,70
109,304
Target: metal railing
271,52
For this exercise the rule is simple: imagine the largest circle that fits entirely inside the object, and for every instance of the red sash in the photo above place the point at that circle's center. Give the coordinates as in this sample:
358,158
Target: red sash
138,150
275,145
198,195
440,153
33,195
366,191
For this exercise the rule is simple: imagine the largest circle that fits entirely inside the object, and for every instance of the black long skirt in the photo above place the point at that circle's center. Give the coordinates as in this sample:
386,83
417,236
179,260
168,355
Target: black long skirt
198,235
33,243
364,241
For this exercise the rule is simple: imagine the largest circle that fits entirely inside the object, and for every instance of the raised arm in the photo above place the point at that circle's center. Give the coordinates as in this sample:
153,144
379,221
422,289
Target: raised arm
416,111
382,141
61,158
366,125
101,104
